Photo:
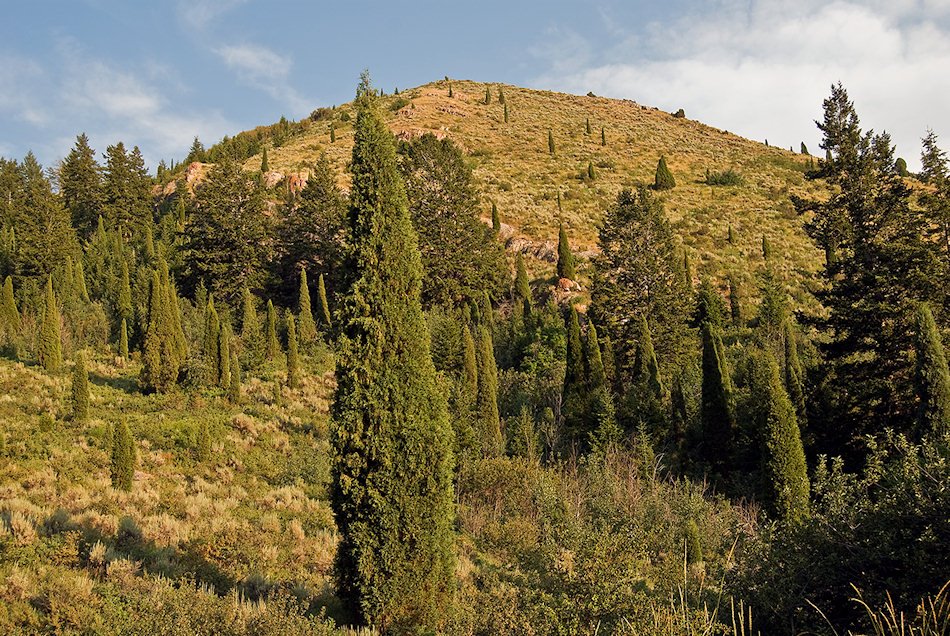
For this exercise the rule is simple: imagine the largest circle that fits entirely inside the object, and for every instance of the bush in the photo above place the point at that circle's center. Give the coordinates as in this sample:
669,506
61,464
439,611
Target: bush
725,178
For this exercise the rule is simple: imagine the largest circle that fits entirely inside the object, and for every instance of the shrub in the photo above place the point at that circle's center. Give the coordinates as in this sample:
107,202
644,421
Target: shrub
725,178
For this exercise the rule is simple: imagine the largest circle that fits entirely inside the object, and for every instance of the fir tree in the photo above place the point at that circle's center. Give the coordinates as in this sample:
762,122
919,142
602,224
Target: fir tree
694,548
394,565
80,179
901,167
307,331
160,353
522,439
488,423
44,232
501,95
451,94
234,386
50,351
123,456
79,391
293,362
332,133
766,248
784,473
550,141
602,429
565,259
716,411
124,302
324,305
80,284
709,305
648,392
469,365
265,167
273,345
794,372
123,340
804,149
932,376
9,315
664,178
731,235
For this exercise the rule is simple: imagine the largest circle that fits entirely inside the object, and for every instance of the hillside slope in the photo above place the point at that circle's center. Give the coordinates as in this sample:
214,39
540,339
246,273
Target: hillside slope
514,168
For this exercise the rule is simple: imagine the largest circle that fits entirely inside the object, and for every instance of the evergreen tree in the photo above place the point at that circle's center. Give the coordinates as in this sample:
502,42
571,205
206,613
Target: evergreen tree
487,95
587,126
293,362
307,331
394,565
735,300
603,137
766,248
565,259
794,373
522,292
79,391
332,132
664,178
250,327
901,167
495,219
161,357
716,411
694,549
273,345
709,305
602,428
224,356
80,180
550,141
124,301
784,473
80,284
804,149
123,456
126,191
469,365
590,171
211,340
324,305
124,340
522,438
50,351
44,232
265,167
234,387
932,376
647,391
933,161
506,113
488,423
574,401
9,315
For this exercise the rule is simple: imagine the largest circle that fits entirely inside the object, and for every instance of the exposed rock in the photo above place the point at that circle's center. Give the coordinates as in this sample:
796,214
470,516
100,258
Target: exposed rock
193,172
272,178
566,284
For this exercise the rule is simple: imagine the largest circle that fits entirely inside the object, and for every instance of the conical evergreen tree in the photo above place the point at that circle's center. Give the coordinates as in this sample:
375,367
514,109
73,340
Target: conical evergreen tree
664,178
211,339
307,328
574,394
522,297
794,372
50,351
716,411
123,456
735,301
932,376
392,475
234,387
603,429
784,473
587,126
79,391
224,356
565,259
603,137
495,219
506,113
488,422
80,285
265,166
273,345
293,362
550,141
123,340
251,336
486,313
124,302
324,305
469,365
648,392
160,362
9,315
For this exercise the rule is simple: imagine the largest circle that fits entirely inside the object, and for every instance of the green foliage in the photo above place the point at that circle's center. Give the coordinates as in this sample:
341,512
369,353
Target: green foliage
550,141
694,547
735,300
224,357
126,191
522,290
124,340
506,112
251,335
80,179
717,412
522,438
664,178
487,100
901,167
307,328
487,421
794,372
647,391
293,357
9,315
603,137
495,219
602,428
123,456
234,386
590,171
211,341
710,307
766,248
804,149
460,256
161,349
587,126
273,345
932,378
729,177
565,259
394,563
79,389
50,352
44,234
324,307
265,167
203,443
784,474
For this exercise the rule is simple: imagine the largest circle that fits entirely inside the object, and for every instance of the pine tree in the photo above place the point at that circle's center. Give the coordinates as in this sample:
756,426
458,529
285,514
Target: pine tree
79,391
495,219
784,473
395,565
307,328
273,345
664,178
123,456
716,412
522,295
50,351
293,362
550,141
124,340
932,377
324,305
265,167
234,387
44,233
565,259
488,423
794,372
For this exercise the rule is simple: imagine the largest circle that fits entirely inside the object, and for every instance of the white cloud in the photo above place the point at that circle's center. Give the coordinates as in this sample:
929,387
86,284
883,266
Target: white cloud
266,70
198,14
761,68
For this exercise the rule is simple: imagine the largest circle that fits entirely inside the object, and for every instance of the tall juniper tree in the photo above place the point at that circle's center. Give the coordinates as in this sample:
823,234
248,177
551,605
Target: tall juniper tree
391,488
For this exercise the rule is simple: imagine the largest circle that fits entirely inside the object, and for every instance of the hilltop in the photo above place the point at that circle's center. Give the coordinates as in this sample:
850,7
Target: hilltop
514,168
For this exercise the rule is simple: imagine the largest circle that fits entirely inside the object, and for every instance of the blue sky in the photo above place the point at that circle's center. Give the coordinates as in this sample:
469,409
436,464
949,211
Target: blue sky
158,73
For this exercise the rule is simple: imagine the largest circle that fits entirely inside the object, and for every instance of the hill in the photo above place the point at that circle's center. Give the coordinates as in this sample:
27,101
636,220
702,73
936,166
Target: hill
514,168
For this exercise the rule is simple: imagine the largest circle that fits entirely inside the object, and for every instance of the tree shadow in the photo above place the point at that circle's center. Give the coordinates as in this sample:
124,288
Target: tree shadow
122,383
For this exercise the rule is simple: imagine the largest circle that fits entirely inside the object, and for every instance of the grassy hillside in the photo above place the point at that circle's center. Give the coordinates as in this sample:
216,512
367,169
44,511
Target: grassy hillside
515,169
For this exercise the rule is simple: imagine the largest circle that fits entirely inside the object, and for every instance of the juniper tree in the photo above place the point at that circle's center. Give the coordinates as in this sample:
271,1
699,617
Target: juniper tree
804,149
590,171
124,301
394,565
766,248
603,137
522,291
265,167
486,313
79,391
224,356
50,351
324,305
647,391
251,336
731,235
522,438
307,328
709,305
735,300
273,345
160,353
9,315
784,473
487,95
451,94
716,410
932,378
694,548
565,259
80,284
123,456
901,167
794,372
602,429
664,178
293,361
469,365
211,339
332,132
587,126
488,423
234,386
574,401
495,219
550,141
123,340
501,95
506,113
